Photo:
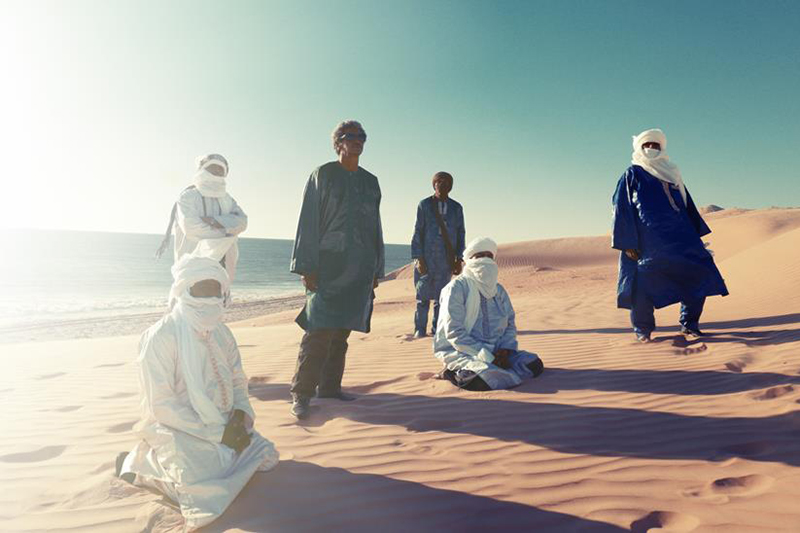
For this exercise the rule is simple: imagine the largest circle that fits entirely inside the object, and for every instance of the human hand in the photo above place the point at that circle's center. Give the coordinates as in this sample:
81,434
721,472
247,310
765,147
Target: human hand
421,267
632,254
309,281
458,267
502,361
375,283
501,358
235,435
242,442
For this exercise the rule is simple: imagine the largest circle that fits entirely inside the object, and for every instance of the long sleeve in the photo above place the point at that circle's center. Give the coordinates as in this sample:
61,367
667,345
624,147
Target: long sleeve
461,232
418,240
305,255
157,370
241,396
508,339
380,269
235,221
454,311
189,218
694,215
625,235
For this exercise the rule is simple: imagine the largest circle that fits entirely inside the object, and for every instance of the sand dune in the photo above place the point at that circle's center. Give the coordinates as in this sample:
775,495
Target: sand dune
615,436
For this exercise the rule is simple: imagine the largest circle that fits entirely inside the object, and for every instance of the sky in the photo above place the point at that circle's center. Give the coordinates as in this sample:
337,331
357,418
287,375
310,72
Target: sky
104,106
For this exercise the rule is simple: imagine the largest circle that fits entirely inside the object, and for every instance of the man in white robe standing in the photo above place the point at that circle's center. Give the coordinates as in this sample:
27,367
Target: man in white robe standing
205,210
198,445
476,335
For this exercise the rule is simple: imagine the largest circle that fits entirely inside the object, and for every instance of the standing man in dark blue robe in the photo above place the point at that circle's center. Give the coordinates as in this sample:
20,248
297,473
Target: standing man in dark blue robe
339,254
658,231
437,254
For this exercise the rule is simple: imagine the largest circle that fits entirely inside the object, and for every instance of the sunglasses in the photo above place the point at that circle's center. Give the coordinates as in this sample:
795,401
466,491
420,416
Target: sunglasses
353,137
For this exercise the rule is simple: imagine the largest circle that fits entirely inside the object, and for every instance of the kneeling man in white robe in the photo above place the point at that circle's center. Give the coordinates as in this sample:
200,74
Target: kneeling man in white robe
198,445
476,336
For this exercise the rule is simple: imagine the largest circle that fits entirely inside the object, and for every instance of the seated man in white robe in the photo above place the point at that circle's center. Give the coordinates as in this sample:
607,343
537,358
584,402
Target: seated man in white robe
476,336
198,445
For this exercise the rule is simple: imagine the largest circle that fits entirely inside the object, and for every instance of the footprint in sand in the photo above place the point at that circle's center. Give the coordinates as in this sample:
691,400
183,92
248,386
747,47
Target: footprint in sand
425,376
772,393
42,454
121,428
665,521
51,376
118,395
722,489
416,449
255,382
110,365
737,365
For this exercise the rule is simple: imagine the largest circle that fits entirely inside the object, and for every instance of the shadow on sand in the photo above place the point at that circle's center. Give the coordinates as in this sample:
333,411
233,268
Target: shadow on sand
585,430
749,338
303,497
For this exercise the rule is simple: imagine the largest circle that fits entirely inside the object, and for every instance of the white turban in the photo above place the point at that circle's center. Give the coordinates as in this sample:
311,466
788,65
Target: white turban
660,166
195,319
481,244
204,161
208,184
192,268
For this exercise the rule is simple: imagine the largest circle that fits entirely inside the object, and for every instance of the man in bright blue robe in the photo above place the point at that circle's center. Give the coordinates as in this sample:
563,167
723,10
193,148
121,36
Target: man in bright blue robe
436,259
339,253
658,231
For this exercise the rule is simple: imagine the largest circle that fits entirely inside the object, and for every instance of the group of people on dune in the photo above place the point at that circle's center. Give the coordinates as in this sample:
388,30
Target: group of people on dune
199,445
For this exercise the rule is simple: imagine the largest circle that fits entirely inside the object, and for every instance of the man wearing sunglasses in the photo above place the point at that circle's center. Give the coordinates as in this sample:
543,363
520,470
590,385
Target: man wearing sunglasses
338,252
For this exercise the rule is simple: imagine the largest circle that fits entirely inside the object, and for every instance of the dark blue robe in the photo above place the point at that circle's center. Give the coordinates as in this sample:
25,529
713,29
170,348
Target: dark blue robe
427,243
674,265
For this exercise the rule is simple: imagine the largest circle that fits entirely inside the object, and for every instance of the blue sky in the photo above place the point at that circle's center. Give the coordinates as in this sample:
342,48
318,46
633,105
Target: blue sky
530,105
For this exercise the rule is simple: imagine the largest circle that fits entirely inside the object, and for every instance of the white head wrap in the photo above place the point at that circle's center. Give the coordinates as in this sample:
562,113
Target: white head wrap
207,183
660,166
481,277
481,244
195,318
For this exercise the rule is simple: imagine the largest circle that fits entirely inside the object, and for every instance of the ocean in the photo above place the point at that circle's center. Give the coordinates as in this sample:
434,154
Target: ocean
69,277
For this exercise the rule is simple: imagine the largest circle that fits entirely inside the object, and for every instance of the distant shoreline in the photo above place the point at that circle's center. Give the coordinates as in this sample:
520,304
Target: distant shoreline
134,323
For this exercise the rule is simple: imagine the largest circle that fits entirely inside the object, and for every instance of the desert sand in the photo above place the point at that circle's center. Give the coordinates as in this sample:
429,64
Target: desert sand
614,436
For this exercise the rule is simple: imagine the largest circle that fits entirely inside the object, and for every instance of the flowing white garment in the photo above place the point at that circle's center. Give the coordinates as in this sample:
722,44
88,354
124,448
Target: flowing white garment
660,166
190,228
179,453
194,319
481,276
471,349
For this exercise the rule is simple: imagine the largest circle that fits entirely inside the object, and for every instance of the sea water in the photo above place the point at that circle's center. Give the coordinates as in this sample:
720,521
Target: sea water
57,276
